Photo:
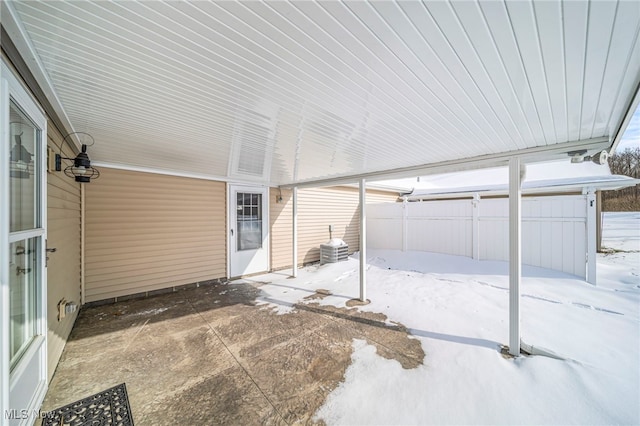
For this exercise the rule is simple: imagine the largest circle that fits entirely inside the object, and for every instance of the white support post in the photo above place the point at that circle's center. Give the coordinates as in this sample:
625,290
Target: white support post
592,244
363,240
294,242
405,224
598,221
475,227
515,254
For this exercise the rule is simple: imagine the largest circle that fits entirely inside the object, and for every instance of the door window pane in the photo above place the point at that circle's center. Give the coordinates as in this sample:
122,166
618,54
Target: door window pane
23,178
249,221
22,296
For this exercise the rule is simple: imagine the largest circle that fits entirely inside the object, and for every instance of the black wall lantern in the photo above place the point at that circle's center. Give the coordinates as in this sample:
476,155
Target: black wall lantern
81,170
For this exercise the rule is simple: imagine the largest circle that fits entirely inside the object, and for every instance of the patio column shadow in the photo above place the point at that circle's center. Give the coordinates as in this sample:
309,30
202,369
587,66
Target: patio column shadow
472,341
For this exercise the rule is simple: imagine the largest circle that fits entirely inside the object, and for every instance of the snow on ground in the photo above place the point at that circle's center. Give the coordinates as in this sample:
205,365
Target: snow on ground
621,230
458,309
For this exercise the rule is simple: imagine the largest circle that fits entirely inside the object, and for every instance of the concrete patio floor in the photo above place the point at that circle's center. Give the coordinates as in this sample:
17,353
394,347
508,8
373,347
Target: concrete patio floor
210,355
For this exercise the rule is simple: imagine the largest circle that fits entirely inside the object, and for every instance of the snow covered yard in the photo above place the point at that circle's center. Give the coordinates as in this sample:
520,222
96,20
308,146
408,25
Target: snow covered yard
458,309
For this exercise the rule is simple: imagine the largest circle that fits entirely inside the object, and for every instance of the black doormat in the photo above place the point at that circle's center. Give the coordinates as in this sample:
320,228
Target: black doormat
109,407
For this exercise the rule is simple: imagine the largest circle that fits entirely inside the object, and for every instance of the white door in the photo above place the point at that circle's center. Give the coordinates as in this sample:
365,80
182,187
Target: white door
248,230
23,374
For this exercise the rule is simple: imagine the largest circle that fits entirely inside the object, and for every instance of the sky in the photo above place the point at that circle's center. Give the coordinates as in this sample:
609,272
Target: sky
631,137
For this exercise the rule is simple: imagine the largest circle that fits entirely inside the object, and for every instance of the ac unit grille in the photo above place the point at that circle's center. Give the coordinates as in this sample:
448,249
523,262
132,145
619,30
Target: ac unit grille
333,254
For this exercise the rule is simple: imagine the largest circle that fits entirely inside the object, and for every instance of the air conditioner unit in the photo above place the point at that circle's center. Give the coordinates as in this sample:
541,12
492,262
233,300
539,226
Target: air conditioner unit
335,250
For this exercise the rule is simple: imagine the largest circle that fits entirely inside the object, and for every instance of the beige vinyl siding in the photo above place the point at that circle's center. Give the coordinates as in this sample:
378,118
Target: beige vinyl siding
146,232
317,209
377,196
63,233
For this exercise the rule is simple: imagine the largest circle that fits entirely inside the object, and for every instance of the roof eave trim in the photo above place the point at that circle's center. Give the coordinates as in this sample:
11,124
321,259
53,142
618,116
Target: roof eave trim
540,153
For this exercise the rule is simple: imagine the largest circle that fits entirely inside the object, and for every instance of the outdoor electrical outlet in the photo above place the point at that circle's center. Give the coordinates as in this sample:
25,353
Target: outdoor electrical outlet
70,307
330,228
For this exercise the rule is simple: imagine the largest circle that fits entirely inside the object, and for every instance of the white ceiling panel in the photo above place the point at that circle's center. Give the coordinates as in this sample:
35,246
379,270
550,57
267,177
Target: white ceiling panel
601,25
548,17
284,92
498,21
524,25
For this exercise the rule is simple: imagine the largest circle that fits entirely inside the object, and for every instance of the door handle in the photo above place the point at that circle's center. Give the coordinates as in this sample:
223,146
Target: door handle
232,232
46,259
20,270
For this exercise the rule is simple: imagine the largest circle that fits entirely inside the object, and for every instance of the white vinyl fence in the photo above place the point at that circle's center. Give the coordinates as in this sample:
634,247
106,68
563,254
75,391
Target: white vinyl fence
554,229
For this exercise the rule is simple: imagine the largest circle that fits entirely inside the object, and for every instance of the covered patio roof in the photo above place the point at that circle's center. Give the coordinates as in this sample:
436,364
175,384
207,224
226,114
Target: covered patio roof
286,93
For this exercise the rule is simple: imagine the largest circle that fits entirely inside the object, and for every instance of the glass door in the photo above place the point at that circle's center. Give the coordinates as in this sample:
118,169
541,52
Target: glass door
22,238
24,221
249,220
248,230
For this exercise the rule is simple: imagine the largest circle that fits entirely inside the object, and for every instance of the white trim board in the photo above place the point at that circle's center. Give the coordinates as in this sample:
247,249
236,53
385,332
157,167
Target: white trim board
537,154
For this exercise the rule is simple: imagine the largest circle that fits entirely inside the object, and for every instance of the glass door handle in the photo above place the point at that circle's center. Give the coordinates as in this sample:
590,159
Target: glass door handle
20,270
